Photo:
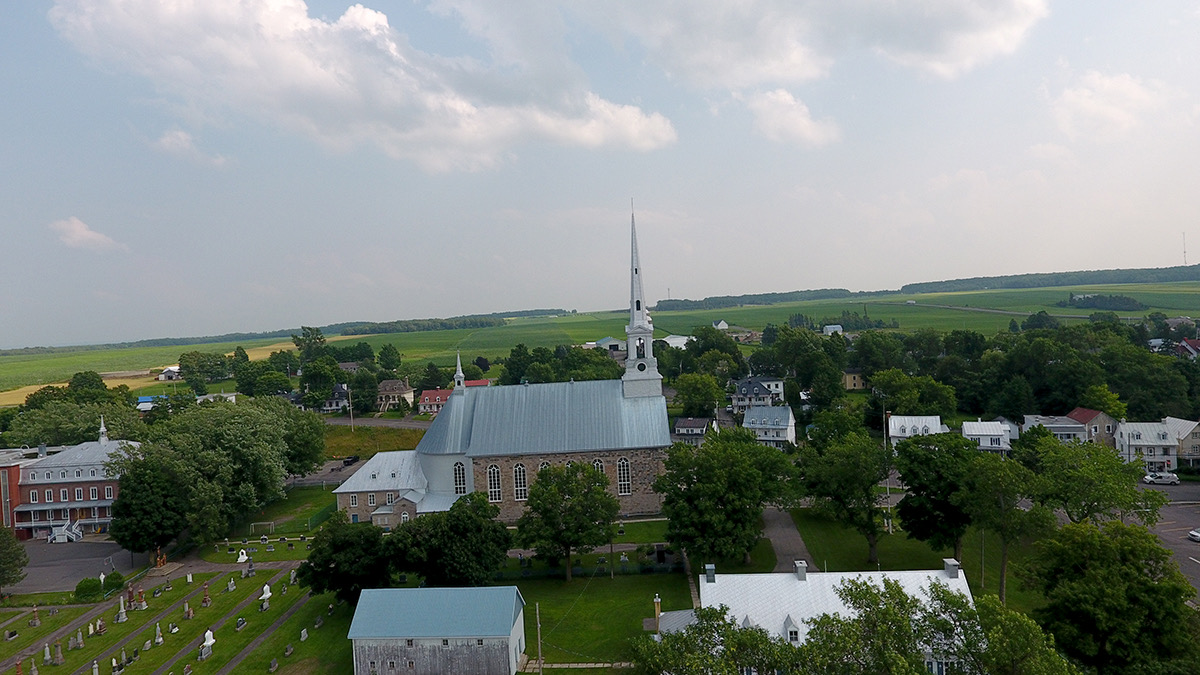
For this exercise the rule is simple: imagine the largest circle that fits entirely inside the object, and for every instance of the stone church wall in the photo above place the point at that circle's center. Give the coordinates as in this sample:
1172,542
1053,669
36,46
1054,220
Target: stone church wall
644,466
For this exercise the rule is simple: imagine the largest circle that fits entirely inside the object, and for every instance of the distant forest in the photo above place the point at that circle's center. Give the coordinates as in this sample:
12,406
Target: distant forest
1150,275
1109,303
470,321
721,301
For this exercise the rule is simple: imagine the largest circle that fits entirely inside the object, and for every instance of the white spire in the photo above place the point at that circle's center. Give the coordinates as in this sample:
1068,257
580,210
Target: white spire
460,380
638,314
103,431
641,368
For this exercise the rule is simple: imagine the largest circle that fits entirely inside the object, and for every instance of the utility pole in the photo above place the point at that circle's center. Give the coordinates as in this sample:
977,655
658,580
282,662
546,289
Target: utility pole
537,608
350,400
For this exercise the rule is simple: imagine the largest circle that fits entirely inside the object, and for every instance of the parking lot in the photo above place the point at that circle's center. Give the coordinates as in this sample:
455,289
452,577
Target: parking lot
59,567
1176,519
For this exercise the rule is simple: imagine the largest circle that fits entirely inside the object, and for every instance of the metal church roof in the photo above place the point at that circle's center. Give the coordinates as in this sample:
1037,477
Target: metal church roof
436,612
547,418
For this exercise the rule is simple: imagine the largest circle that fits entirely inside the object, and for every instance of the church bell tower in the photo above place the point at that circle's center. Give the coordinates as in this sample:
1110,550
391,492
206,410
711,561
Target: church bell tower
641,369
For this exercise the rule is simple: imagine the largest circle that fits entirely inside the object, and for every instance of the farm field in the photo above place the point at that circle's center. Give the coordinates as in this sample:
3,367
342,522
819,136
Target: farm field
986,311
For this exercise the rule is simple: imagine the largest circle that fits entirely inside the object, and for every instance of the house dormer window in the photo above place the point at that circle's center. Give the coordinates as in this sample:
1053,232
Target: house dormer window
793,635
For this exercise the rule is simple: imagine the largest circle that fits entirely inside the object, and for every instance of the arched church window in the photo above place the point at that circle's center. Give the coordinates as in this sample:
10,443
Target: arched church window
624,484
543,465
641,348
460,479
520,485
598,465
493,474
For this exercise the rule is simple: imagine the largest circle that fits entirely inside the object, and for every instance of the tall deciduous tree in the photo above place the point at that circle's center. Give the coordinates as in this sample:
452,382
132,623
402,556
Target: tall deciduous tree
841,478
68,423
303,434
993,499
934,469
310,343
460,547
714,494
13,559
713,644
1089,482
698,393
150,510
569,511
346,558
389,357
1114,597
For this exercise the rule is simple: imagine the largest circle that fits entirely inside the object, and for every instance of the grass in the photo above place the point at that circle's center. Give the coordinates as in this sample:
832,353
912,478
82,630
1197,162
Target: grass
643,532
34,638
366,441
290,514
39,599
835,548
762,559
325,651
941,311
593,619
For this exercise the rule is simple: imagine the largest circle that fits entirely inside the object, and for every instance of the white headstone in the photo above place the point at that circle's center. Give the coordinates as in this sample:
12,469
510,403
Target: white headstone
208,638
102,578
242,557
303,634
189,577
266,594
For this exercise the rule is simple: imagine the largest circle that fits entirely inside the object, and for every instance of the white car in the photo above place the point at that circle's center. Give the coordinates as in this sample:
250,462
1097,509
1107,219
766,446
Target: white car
1194,535
1161,478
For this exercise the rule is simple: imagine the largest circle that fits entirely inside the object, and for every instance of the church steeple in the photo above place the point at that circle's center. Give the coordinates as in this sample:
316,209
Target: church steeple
460,380
641,368
103,431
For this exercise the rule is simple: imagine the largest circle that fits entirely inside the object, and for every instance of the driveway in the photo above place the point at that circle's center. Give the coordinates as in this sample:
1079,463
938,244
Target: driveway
59,567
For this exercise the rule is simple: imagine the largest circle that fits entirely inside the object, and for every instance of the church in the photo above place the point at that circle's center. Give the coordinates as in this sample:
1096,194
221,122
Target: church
496,439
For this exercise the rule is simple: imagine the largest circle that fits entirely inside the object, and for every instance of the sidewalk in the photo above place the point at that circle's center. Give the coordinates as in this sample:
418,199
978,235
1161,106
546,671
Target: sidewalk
785,539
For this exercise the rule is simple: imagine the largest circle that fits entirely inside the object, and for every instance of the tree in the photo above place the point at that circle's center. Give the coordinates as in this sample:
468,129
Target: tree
389,357
1100,397
482,363
346,558
69,423
993,499
841,478
714,494
460,547
1089,482
364,390
714,643
1040,320
247,374
911,395
698,393
272,383
284,361
317,380
13,559
150,510
1014,400
303,434
519,359
432,378
881,632
569,510
240,355
875,351
44,396
934,469
1114,598
311,344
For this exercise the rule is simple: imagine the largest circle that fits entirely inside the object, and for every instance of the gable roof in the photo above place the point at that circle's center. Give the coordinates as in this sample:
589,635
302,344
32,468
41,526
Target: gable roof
933,424
1179,427
436,395
1084,415
396,470
769,417
984,429
547,418
489,611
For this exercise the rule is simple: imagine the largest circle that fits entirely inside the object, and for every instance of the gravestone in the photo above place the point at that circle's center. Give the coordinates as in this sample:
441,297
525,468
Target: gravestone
124,658
292,576
274,666
187,669
250,568
101,629
135,656
121,618
172,628
33,669
287,651
91,629
145,647
242,557
141,601
270,548
303,538
46,658
284,589
303,634
71,646
168,587
95,668
189,577
263,539
231,586
79,638
157,592
158,636
207,600
10,635
319,622
36,620
291,546
241,623
58,657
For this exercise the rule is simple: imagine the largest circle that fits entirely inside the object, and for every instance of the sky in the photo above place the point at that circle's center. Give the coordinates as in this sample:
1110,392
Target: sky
195,167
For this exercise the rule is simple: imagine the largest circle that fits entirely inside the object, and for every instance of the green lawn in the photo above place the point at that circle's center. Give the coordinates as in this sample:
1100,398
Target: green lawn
593,619
762,559
340,441
835,548
294,514
325,651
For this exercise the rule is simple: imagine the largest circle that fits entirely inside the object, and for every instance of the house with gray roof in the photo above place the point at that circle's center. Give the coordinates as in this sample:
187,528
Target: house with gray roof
467,631
756,391
1153,444
495,440
773,426
991,436
901,427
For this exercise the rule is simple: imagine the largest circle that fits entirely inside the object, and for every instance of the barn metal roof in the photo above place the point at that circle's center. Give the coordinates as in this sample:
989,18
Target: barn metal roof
547,418
489,611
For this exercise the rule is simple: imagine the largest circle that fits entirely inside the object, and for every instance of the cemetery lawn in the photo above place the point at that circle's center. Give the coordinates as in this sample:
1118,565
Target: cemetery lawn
643,532
593,619
292,514
325,651
39,599
836,548
34,638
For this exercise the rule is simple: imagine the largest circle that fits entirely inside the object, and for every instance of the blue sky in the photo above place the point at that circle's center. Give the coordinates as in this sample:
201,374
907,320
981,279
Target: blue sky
186,168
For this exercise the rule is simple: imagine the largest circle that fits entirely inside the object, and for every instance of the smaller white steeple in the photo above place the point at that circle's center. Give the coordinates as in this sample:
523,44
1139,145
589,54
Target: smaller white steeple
103,431
460,380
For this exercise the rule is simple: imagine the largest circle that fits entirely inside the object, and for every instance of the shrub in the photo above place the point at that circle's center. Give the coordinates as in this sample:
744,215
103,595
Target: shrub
88,590
113,582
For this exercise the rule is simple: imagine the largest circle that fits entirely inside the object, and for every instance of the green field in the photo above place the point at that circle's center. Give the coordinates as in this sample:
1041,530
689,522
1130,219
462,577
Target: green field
941,311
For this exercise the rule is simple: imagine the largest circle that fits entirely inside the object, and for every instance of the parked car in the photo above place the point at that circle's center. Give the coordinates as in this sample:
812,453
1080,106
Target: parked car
1161,478
1194,535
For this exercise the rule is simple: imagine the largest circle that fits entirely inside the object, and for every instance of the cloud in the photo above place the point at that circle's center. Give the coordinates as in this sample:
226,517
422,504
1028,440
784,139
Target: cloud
76,234
356,80
781,117
181,144
1107,107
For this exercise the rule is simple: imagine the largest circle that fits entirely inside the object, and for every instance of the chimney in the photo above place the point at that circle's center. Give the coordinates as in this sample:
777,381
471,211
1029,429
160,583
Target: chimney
951,566
657,611
801,569
710,573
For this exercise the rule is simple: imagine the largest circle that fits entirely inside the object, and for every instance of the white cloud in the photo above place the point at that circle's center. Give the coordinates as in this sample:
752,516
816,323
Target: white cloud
181,144
75,233
1107,107
353,81
781,117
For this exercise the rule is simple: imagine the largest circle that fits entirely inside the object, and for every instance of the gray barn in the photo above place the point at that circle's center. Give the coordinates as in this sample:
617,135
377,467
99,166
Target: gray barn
438,630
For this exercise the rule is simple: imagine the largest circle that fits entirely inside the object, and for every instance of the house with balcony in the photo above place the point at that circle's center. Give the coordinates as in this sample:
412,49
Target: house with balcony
756,391
1153,444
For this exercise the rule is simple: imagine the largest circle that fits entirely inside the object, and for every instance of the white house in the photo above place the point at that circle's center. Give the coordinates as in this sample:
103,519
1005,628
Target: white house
831,329
772,425
1064,428
781,603
901,427
170,373
720,324
456,631
992,436
756,391
1151,443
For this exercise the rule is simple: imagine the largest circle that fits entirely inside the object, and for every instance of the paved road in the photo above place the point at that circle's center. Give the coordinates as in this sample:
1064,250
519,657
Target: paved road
1176,519
58,567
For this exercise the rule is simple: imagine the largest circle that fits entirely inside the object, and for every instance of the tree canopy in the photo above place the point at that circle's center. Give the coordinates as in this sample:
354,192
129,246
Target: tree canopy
569,511
346,558
13,559
460,547
934,470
